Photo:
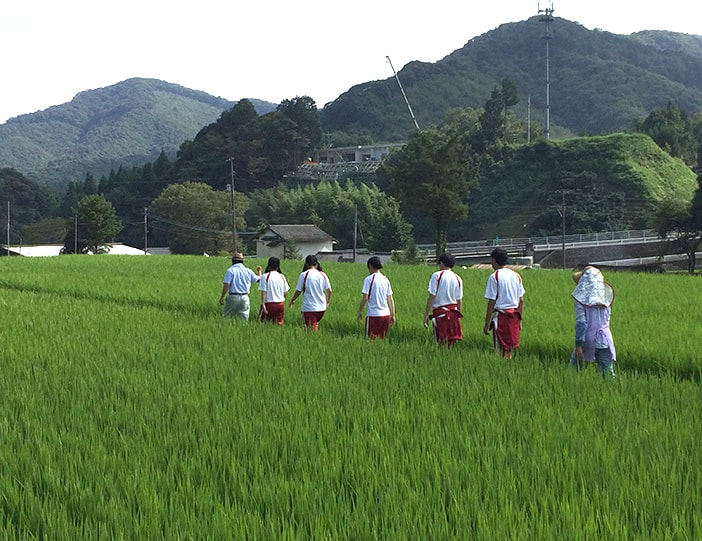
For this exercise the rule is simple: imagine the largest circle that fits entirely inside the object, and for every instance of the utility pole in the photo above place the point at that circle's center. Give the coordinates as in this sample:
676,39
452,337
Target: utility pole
529,118
563,227
230,187
562,212
355,230
8,228
146,229
547,18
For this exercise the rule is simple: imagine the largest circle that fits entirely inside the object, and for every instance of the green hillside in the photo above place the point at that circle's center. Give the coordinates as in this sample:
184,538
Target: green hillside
606,183
126,124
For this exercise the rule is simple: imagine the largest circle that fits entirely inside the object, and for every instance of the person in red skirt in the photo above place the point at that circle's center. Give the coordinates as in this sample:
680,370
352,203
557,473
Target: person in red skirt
377,294
505,295
314,286
443,306
273,287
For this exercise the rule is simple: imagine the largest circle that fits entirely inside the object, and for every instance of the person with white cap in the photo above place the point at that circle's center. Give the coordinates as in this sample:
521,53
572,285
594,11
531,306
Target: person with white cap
236,286
593,299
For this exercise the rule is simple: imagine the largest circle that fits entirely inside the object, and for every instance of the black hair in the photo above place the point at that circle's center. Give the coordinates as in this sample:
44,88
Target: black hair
273,264
447,260
375,262
500,255
311,261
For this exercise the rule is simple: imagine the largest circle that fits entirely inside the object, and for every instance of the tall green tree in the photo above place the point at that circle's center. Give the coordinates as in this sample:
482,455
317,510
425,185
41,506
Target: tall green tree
236,134
97,225
46,231
28,202
492,119
675,221
262,148
433,174
334,208
306,134
192,218
672,130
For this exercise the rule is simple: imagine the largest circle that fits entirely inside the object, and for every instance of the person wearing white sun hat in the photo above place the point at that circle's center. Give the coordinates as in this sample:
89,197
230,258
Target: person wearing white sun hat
593,298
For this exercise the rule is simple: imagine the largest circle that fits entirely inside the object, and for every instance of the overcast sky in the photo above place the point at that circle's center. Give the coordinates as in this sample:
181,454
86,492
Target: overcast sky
271,50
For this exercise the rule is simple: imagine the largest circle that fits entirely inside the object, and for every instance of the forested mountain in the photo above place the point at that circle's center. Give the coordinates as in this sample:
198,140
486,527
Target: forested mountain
600,82
128,123
671,42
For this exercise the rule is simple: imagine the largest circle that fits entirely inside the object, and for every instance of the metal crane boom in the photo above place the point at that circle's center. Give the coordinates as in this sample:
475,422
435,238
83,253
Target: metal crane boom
409,107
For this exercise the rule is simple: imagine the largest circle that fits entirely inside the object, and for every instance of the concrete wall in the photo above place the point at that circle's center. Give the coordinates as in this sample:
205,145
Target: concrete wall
580,256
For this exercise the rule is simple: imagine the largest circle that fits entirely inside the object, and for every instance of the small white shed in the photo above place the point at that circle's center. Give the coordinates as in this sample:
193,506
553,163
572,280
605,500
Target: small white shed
285,241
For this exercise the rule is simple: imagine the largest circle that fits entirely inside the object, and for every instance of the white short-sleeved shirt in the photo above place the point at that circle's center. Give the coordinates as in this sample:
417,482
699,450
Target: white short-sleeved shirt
378,288
275,285
239,278
447,288
312,284
505,286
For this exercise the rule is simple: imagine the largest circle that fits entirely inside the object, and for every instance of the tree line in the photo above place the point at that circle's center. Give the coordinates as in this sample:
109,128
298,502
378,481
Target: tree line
233,168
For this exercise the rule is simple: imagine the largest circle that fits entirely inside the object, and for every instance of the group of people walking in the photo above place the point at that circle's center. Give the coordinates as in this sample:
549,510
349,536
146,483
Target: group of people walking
505,302
504,293
312,284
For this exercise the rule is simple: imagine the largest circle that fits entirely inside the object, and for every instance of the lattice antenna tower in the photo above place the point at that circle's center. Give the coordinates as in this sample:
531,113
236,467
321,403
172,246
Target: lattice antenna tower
546,16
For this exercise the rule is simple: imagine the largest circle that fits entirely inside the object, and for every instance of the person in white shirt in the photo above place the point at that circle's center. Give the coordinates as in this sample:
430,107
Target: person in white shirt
316,291
376,293
505,295
235,288
443,306
274,288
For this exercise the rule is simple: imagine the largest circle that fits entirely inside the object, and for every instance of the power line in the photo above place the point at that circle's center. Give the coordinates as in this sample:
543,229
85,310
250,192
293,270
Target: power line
189,227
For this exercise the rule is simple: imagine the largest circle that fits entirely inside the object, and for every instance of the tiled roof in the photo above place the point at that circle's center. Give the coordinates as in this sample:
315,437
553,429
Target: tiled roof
300,233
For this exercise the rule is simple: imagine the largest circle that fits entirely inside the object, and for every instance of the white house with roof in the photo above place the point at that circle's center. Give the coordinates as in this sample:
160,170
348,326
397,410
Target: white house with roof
286,241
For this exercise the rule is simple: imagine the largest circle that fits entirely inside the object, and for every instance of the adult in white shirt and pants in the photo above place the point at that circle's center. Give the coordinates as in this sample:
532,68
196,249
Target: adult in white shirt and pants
235,288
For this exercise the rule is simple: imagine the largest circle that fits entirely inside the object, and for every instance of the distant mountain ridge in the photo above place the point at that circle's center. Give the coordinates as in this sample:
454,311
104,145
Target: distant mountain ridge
128,123
599,82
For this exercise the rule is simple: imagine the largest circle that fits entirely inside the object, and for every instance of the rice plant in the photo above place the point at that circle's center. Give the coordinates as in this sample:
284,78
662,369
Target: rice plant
132,410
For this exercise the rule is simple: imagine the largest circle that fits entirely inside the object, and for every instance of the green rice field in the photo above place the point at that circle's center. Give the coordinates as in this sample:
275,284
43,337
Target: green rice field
131,410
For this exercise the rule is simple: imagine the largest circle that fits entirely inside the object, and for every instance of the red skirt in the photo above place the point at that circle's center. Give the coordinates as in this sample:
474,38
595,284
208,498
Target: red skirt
377,326
276,312
509,327
447,323
312,319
